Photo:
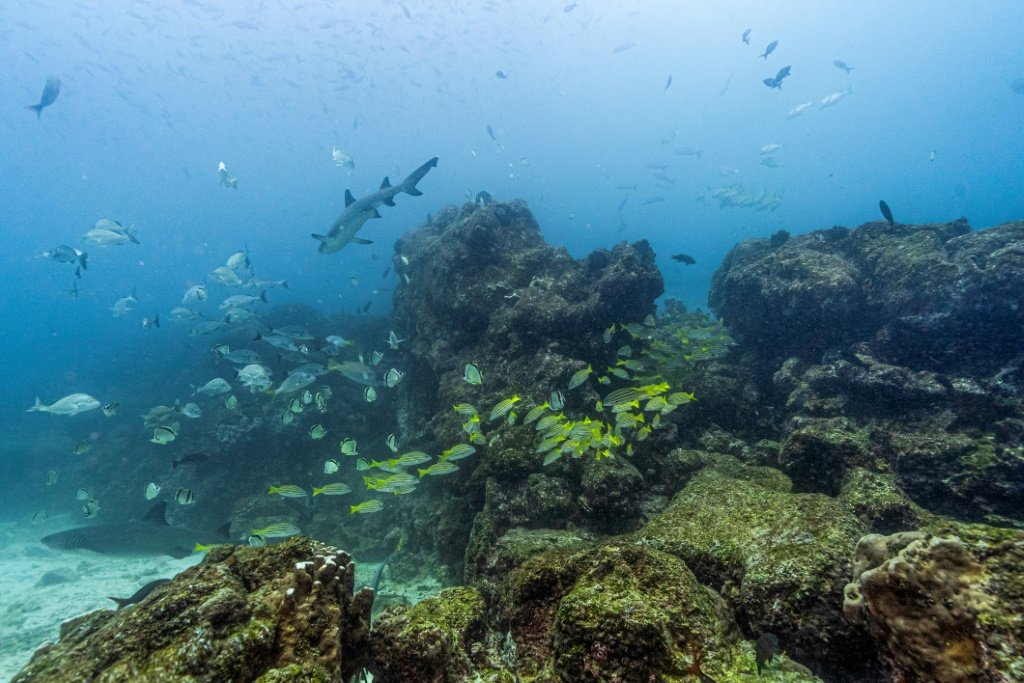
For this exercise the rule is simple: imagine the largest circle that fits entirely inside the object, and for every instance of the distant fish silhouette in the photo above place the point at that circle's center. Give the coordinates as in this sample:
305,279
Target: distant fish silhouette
50,92
746,36
770,49
885,211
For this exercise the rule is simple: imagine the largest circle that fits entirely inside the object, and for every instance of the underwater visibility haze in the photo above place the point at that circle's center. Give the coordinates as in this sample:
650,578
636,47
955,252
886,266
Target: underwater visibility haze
425,281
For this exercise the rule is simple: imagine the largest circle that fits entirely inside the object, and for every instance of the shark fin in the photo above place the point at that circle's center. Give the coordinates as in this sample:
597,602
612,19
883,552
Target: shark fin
157,514
385,184
388,202
360,240
409,184
376,213
349,199
322,238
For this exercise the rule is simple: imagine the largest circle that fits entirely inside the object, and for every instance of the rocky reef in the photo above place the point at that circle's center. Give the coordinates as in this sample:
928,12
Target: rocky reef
838,499
281,613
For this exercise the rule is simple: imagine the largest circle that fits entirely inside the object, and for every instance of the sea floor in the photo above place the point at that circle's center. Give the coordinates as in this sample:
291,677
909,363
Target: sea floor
40,588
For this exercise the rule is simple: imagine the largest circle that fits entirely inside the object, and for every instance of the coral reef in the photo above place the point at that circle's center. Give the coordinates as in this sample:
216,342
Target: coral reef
285,613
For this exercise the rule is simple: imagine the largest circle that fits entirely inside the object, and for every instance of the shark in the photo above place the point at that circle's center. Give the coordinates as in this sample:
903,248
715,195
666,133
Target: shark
358,211
150,536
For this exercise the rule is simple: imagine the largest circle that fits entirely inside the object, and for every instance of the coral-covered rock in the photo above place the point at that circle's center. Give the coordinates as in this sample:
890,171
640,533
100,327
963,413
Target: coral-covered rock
937,297
285,613
943,607
778,558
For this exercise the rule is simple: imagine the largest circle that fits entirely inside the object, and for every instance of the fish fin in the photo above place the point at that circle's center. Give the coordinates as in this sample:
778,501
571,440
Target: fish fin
158,514
121,602
388,202
385,184
179,553
360,240
37,407
317,236
376,213
38,109
349,199
409,184
263,296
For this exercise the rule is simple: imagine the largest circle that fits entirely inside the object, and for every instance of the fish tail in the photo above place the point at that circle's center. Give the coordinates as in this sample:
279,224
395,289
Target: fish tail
37,407
38,109
121,602
409,184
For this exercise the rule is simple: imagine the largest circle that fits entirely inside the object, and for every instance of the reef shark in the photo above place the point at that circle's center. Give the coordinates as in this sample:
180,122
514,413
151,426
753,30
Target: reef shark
151,536
358,211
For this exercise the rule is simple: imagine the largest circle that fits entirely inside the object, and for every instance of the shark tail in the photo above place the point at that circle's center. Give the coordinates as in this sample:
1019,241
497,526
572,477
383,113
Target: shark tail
121,602
409,184
37,407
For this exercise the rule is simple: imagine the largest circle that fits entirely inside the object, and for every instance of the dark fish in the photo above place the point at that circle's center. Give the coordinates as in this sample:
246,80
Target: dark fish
683,258
772,83
405,11
483,198
669,82
490,131
840,64
766,647
366,307
151,322
886,211
778,238
746,36
140,594
190,459
570,7
65,254
770,49
501,74
777,81
50,92
782,73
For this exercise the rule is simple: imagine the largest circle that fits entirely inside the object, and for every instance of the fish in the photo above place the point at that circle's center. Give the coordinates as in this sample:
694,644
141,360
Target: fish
376,357
840,64
501,74
194,293
370,394
225,276
105,237
765,648
62,253
472,374
298,379
181,314
886,212
502,407
215,387
333,489
357,372
226,179
196,459
81,448
164,435
798,109
668,83
231,402
771,162
150,536
288,491
152,490
277,530
141,594
38,517
184,497
52,476
683,258
50,91
535,413
242,300
393,340
438,468
82,494
342,158
392,443
331,466
834,98
770,49
191,410
578,378
392,377
374,505
556,401
458,452
110,410
358,211
317,432
490,132
90,508
746,36
72,404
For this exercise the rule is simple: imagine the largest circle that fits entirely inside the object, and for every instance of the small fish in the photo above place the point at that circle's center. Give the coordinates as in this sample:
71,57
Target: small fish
333,489
287,491
362,465
683,258
226,179
81,448
392,377
82,494
490,131
320,401
194,293
191,410
214,387
769,148
799,109
886,212
257,541
317,432
439,468
152,490
231,402
831,100
307,397
349,447
370,394
472,374
374,505
52,476
458,452
277,530
392,443
502,407
393,340
141,594
91,508
331,466
668,83
534,414
465,409
295,406
579,378
771,162
342,159
746,36
557,400
287,417
501,74
72,404
770,49
164,435
375,358
184,497
49,96
840,64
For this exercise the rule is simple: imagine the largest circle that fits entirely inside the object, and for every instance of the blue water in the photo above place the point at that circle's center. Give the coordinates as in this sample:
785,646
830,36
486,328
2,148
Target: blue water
156,94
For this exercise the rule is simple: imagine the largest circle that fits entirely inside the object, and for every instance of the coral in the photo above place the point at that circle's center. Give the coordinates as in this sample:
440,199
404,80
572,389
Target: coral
285,612
942,607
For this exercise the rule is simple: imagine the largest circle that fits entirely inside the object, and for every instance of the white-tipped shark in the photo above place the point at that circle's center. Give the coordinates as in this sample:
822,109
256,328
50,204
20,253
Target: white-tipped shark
358,211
